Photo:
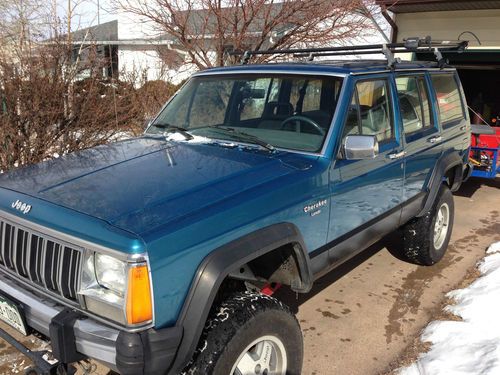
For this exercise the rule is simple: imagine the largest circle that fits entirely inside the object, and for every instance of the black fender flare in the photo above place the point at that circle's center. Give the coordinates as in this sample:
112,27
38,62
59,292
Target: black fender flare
443,165
218,265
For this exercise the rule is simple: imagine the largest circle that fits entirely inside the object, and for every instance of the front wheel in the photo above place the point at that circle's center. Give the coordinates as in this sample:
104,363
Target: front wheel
249,334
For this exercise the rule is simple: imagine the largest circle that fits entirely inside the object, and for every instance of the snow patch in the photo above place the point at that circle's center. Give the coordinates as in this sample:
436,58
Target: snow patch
179,137
470,346
495,248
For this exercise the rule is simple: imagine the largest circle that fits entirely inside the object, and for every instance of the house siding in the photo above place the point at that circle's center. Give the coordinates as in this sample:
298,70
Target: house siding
449,25
144,62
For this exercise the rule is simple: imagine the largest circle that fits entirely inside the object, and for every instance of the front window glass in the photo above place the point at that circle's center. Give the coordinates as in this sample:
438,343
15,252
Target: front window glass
291,112
370,111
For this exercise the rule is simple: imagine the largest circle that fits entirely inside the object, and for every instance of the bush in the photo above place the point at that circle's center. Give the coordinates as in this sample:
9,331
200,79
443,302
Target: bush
46,111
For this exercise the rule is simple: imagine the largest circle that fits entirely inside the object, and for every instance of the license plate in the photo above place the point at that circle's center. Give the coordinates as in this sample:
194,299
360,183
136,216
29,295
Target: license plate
12,314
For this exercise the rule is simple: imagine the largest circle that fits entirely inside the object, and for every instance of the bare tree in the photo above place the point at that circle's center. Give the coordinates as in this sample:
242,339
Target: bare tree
53,96
206,29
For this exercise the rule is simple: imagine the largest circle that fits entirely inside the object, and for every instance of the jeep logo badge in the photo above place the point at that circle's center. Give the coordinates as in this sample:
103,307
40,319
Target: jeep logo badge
20,206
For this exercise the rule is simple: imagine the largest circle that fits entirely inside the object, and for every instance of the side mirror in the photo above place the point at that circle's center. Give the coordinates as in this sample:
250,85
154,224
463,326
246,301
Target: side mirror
356,147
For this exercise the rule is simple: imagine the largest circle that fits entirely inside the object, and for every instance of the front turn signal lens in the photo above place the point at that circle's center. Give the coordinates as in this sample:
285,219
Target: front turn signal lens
139,303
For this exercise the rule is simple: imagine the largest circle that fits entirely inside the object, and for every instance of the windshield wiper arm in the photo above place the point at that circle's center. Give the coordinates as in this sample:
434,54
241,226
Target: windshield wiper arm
250,137
173,128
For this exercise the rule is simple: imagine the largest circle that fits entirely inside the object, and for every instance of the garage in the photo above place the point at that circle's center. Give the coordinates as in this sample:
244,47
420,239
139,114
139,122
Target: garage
476,21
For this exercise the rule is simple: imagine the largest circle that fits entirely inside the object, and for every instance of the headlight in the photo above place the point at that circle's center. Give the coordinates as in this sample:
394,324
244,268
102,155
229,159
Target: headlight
111,273
116,289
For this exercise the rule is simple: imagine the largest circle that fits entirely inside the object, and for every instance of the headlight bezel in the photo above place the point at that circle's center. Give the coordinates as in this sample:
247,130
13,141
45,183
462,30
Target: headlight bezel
105,302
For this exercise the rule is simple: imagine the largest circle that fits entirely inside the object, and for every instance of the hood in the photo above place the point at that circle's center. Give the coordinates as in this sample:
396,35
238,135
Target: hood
141,183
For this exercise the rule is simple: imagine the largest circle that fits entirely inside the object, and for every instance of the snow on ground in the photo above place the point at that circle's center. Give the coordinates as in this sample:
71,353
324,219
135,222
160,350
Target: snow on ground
470,346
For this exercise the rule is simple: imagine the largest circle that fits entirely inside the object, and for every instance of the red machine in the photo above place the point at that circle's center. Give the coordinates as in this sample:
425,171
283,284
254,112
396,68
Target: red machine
485,150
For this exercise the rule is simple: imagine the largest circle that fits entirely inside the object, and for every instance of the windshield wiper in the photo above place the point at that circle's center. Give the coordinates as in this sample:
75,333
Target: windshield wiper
173,128
245,136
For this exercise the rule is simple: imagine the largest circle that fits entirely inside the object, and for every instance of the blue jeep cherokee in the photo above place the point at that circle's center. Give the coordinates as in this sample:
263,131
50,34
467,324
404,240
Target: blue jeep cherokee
159,254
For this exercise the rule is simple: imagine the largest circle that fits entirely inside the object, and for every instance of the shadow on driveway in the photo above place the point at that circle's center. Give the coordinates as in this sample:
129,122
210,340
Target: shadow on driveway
392,242
468,189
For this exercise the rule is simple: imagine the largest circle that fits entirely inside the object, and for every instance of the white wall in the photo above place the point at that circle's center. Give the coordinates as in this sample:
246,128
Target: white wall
144,59
448,25
132,26
134,59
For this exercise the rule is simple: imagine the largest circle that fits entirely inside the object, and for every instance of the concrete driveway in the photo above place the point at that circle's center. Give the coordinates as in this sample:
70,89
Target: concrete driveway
360,317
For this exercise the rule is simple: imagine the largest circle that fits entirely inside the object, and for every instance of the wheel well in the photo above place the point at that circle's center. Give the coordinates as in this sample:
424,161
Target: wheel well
453,177
280,265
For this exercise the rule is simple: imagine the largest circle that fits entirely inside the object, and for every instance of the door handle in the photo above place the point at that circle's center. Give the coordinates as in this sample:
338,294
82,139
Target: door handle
397,155
435,139
463,127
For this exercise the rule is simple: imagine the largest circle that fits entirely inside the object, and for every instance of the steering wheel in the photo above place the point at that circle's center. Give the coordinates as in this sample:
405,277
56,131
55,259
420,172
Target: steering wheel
300,119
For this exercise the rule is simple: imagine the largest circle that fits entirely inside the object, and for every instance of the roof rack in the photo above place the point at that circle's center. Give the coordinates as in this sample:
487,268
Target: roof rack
414,44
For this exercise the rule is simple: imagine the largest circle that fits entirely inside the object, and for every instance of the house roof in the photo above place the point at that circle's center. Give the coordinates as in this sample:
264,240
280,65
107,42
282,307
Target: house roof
105,31
199,20
415,6
107,34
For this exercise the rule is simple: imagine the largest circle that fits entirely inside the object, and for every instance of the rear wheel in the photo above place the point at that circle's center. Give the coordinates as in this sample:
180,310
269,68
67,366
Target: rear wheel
426,238
249,334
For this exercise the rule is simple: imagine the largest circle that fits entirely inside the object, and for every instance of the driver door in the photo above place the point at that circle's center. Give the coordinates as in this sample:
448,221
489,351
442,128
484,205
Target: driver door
366,194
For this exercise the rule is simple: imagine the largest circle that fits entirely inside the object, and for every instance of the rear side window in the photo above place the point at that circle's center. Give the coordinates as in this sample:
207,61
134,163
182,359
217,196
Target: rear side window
370,111
448,97
413,103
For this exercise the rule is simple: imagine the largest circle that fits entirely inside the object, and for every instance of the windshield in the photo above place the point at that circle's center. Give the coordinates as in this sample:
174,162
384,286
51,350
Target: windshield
291,112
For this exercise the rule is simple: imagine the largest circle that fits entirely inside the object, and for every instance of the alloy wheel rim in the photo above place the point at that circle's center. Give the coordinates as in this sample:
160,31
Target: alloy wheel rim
264,356
441,225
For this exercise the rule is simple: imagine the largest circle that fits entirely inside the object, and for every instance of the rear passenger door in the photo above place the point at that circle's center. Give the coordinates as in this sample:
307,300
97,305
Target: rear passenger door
423,140
366,191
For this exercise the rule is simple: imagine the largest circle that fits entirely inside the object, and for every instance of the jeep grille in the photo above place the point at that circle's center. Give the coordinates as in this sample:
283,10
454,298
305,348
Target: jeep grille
40,260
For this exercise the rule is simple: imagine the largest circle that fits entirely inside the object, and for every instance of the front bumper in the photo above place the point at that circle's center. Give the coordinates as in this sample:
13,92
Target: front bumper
147,352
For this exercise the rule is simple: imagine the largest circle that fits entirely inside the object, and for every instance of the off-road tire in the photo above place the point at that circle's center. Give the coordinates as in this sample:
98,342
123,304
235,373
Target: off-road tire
235,324
418,233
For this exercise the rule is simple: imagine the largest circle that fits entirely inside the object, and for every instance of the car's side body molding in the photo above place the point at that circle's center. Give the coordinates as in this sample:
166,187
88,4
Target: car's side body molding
219,264
354,242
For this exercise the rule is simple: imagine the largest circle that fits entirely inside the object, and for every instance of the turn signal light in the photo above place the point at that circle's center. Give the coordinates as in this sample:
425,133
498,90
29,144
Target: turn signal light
139,304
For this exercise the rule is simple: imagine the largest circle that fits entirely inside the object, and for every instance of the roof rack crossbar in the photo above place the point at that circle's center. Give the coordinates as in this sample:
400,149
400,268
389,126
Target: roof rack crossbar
367,52
414,44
